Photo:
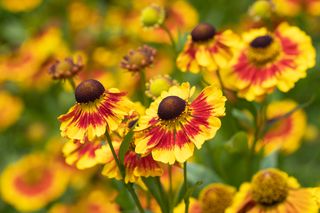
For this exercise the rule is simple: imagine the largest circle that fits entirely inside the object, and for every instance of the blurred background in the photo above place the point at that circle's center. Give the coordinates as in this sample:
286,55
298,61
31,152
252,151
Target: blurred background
36,33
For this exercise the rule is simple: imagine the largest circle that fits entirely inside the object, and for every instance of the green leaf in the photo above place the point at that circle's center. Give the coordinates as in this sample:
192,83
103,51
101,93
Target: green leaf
124,199
192,188
153,188
197,172
125,145
238,143
244,119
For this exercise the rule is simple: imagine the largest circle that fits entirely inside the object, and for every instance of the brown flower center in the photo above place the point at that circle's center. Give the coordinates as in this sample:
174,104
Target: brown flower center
269,187
261,41
203,32
171,107
88,91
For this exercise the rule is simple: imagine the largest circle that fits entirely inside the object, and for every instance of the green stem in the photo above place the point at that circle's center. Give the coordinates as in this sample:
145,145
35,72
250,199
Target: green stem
259,126
134,196
162,194
129,186
72,83
173,43
155,192
171,198
220,80
186,196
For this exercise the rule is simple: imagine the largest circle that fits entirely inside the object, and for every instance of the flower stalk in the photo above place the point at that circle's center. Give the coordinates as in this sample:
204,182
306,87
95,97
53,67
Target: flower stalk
129,186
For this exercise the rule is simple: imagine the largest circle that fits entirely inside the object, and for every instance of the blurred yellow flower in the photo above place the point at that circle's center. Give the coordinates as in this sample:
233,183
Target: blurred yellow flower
11,108
272,190
94,201
286,132
32,182
83,16
28,66
97,201
216,198
20,6
295,7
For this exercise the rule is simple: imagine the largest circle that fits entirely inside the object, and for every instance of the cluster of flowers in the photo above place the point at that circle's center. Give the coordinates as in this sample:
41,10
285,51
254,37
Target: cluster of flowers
146,144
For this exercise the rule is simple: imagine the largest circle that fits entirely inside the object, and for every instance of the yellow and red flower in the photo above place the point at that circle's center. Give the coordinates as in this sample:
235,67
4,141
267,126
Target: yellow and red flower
272,190
97,110
136,166
287,128
207,49
82,154
173,125
268,60
32,182
28,66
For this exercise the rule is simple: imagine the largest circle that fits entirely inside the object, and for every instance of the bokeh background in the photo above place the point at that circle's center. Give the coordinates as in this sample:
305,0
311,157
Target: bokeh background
34,33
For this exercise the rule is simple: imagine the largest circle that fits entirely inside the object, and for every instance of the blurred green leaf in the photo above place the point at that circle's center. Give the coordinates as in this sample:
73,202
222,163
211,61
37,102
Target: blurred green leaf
197,172
238,143
244,119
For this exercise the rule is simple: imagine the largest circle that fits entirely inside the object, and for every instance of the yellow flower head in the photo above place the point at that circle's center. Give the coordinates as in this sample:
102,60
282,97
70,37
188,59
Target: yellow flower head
32,182
272,190
269,60
207,49
216,198
286,129
97,111
174,124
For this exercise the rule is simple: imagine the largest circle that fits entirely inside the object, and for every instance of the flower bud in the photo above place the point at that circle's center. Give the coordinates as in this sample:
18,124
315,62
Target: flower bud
152,16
